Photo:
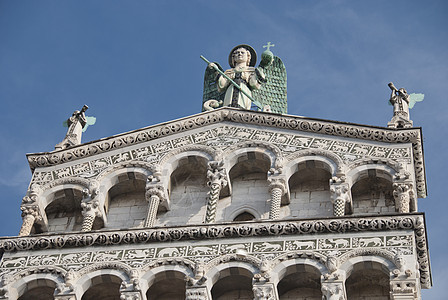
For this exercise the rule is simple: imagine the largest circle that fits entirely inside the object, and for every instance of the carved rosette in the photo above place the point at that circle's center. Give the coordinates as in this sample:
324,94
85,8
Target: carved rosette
403,193
333,290
277,188
340,195
155,194
30,214
264,292
217,179
90,209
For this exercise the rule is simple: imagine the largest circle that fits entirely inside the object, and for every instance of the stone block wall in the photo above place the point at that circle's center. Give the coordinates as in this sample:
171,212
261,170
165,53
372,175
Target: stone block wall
127,211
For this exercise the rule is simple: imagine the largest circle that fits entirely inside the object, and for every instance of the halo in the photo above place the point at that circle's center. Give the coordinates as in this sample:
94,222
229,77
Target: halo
253,54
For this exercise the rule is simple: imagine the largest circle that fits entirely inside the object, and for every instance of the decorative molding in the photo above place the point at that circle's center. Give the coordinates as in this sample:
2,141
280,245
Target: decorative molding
326,128
309,229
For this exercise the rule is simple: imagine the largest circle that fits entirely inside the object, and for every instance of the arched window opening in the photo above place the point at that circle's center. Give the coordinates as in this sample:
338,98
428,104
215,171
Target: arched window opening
372,194
168,285
188,193
310,190
64,213
249,183
244,216
104,287
235,286
125,203
44,291
300,283
366,282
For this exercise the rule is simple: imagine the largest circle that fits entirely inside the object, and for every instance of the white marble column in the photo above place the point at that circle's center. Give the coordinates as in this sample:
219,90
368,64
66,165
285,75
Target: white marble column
403,193
155,194
30,214
340,195
277,188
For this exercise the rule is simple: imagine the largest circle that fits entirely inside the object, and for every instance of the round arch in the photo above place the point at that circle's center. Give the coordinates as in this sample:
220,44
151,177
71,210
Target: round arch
98,276
215,272
265,151
329,162
34,281
229,277
382,170
286,267
151,276
368,277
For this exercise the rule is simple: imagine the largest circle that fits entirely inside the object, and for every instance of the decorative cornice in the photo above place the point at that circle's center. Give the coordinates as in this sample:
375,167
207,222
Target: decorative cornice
302,124
413,222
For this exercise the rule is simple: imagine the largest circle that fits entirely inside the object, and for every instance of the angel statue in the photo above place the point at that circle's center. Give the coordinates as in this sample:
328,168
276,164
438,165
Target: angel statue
77,124
244,85
402,102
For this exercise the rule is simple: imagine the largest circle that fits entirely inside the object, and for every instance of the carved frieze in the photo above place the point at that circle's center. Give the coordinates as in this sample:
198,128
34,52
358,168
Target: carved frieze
300,240
227,135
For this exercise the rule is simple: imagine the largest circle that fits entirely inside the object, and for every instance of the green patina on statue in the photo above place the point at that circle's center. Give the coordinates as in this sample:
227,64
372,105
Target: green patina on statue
244,85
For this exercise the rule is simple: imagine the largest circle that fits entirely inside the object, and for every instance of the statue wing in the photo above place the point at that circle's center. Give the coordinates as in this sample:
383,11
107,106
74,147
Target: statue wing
89,121
273,91
211,86
414,98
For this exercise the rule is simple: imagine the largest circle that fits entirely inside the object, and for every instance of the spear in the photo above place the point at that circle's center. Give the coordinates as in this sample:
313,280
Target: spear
258,104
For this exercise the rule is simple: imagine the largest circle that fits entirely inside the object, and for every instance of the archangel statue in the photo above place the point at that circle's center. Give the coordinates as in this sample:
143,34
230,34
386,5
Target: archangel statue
402,102
244,85
76,124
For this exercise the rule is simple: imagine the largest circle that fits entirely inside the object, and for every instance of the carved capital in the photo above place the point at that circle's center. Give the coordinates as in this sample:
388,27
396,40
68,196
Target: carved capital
404,289
216,174
91,208
33,194
30,210
333,290
277,183
196,293
264,292
155,190
341,192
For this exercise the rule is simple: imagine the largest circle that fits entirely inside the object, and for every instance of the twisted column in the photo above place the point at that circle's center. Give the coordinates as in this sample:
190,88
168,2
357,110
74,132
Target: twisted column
403,193
155,194
30,213
340,195
277,188
217,179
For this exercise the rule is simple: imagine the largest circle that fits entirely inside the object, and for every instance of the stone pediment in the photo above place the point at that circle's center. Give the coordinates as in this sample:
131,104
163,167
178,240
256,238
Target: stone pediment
221,130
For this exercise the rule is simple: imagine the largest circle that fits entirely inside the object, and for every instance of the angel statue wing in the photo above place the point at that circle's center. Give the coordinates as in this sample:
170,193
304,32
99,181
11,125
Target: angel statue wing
273,91
211,86
414,98
90,121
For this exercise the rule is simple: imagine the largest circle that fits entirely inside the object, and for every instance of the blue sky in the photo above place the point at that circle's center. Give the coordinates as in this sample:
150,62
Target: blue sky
136,63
